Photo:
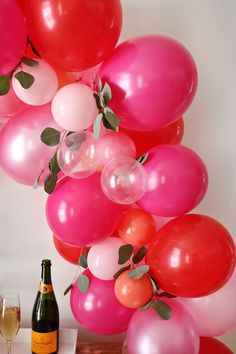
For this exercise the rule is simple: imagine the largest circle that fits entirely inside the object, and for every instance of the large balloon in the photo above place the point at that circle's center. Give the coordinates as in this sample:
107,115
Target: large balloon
22,154
213,346
11,105
153,81
70,253
13,35
98,309
192,255
79,213
74,35
177,181
148,333
214,314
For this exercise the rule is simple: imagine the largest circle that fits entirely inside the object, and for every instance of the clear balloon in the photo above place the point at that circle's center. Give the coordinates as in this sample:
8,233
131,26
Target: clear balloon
148,333
124,180
76,155
74,107
213,346
43,88
70,253
98,309
11,105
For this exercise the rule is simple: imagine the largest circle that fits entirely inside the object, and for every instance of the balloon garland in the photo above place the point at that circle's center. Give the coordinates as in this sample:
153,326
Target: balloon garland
101,144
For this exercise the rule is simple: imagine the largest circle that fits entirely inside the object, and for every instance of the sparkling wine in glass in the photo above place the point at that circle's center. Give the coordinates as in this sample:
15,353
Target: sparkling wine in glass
9,317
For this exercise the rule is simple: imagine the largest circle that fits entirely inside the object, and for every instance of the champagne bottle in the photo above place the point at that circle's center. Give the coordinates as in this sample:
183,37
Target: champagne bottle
45,315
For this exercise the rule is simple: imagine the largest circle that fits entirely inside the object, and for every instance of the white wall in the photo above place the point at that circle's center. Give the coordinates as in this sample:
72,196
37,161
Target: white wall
207,29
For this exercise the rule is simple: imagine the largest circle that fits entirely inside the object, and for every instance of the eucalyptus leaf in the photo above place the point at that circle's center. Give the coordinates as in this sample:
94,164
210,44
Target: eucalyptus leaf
53,165
97,126
106,124
50,183
146,306
25,79
99,84
30,62
139,255
106,93
120,271
142,158
125,252
4,85
69,288
36,183
83,283
98,100
162,309
83,261
50,136
138,272
111,118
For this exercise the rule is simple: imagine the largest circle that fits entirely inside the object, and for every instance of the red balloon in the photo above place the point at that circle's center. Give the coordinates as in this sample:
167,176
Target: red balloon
70,253
73,34
191,256
144,141
213,346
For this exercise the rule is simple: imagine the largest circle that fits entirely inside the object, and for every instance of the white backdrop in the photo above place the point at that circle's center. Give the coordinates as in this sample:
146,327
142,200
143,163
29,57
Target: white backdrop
207,29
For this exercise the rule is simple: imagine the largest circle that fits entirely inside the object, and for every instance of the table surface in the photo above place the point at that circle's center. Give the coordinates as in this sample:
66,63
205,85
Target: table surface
99,348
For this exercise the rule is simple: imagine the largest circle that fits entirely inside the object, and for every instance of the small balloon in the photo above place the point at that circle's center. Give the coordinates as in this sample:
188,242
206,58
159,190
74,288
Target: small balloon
70,253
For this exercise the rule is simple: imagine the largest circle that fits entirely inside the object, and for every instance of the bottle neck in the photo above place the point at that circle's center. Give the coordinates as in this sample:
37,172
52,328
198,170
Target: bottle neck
46,274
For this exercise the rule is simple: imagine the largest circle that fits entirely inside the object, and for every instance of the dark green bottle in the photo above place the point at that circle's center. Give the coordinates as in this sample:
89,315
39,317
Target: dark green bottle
45,315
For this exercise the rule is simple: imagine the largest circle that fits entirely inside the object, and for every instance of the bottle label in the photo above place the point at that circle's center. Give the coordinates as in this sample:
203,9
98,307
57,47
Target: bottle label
44,343
45,288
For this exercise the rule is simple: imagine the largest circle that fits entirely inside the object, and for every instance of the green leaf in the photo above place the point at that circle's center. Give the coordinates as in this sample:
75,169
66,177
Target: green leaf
74,141
120,271
106,93
146,306
97,126
53,165
162,309
98,100
30,62
69,288
154,285
83,261
25,79
139,255
138,272
36,183
50,136
125,252
106,124
111,118
99,84
142,158
4,85
50,183
83,283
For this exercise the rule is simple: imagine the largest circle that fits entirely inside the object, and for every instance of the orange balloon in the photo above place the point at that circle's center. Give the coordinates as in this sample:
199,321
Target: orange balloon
64,78
133,293
136,227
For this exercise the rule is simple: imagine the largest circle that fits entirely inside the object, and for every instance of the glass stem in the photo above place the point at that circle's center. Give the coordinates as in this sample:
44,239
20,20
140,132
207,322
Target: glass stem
9,347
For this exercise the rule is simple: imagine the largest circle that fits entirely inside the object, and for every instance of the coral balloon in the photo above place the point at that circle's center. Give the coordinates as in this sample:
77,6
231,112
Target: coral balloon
79,213
103,258
214,314
213,346
43,88
81,33
22,154
177,181
153,81
148,333
191,244
133,293
136,227
113,145
98,309
144,141
13,36
69,252
74,107
123,180
10,105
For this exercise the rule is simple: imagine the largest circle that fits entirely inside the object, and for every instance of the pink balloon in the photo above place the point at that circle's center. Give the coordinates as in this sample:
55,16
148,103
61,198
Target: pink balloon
13,35
214,314
148,333
103,258
177,181
112,145
43,88
10,104
22,154
153,81
74,107
79,213
98,309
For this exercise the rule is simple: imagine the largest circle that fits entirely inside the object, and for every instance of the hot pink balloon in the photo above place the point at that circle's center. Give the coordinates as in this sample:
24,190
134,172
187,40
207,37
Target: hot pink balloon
112,145
13,35
148,333
98,309
79,213
22,154
214,314
177,181
10,104
153,81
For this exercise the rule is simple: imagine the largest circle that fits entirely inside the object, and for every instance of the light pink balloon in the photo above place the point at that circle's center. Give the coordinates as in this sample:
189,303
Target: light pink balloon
22,154
103,258
149,334
112,145
74,107
10,104
214,314
43,88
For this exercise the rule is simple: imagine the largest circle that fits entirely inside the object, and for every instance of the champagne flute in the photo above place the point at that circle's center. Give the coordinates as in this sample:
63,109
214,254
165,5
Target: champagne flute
9,317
